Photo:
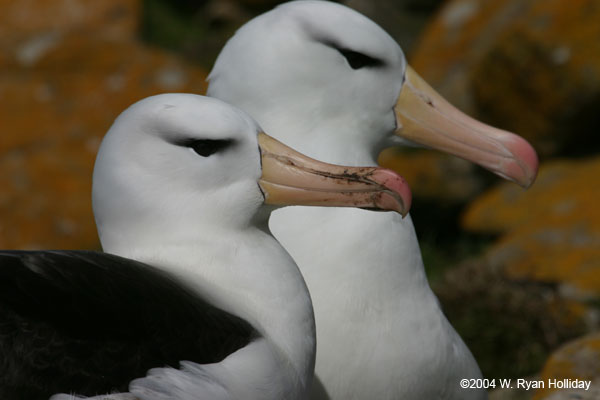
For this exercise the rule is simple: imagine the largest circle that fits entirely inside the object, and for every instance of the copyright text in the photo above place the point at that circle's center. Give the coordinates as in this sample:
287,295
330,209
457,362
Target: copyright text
526,384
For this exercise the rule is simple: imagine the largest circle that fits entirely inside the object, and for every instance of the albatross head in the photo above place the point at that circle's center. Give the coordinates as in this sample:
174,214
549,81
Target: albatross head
328,73
175,166
341,86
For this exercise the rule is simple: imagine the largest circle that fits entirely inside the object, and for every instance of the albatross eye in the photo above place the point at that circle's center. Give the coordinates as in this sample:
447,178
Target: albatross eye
359,60
208,147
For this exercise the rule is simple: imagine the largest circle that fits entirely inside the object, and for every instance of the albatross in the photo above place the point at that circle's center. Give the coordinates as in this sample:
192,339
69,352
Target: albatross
192,298
341,87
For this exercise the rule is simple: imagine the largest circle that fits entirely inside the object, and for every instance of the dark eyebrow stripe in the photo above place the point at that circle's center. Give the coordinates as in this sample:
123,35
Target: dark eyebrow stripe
190,142
370,60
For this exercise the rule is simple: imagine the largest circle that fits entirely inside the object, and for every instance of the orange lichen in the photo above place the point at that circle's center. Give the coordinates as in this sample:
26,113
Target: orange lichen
457,28
564,192
116,18
54,113
552,230
560,259
532,67
579,359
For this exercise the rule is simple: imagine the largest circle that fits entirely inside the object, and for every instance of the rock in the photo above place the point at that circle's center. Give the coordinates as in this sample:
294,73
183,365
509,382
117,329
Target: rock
84,83
561,190
46,198
510,326
116,19
576,394
54,115
29,29
579,359
529,67
552,231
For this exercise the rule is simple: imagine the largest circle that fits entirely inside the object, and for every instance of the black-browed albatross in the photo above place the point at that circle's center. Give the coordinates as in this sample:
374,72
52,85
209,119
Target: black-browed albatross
190,273
341,87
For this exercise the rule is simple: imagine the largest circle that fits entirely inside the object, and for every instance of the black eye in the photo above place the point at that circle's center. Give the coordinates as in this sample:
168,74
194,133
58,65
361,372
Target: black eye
207,147
359,60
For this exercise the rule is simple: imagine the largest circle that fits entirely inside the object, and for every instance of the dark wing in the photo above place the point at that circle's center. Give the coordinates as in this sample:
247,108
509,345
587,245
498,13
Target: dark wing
89,323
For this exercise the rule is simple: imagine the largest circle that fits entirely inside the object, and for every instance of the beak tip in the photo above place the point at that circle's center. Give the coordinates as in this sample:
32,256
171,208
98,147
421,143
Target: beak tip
527,160
406,200
528,181
398,189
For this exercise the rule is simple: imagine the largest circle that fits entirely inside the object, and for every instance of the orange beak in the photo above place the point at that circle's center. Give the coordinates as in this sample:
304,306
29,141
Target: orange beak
291,178
426,118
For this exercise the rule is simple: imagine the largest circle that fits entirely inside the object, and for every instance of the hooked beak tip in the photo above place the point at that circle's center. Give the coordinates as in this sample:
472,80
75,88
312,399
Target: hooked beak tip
398,197
525,162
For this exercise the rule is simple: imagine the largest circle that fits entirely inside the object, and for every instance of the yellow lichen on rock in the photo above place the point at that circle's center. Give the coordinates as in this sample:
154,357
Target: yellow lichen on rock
56,107
552,231
579,359
25,18
564,191
531,67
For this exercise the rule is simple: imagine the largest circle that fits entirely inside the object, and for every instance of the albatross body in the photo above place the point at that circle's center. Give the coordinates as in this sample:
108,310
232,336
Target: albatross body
342,87
193,299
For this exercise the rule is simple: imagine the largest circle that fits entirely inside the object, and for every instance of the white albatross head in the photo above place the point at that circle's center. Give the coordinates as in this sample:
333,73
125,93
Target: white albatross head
343,85
174,166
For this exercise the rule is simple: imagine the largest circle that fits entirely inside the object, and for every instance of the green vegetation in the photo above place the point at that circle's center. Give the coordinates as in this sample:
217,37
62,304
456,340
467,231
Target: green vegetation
171,24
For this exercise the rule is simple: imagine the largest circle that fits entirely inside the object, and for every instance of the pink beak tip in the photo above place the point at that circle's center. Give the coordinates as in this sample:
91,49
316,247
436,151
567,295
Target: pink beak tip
398,186
527,160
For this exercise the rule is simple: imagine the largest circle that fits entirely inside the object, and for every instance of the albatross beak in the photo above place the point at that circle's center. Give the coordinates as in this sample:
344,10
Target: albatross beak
291,178
426,118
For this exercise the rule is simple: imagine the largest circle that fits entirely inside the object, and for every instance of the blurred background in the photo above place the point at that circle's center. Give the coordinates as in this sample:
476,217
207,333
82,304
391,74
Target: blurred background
517,272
